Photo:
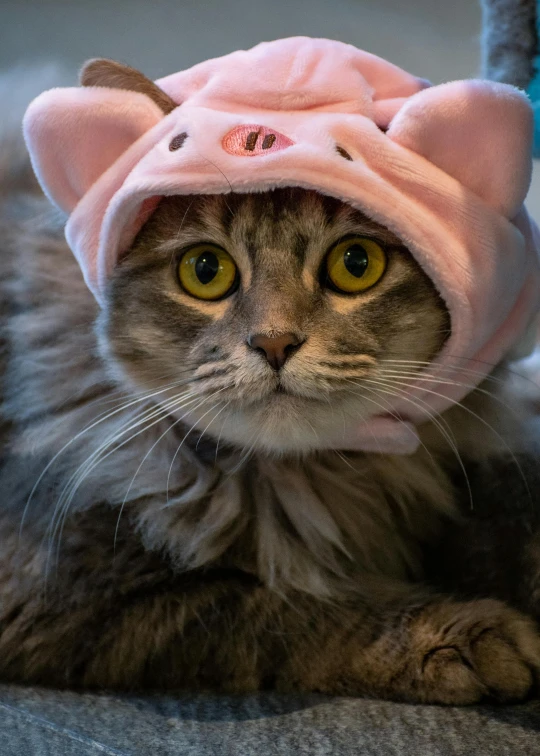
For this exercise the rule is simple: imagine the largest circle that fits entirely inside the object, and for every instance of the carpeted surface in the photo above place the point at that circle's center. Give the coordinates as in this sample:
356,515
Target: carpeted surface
37,722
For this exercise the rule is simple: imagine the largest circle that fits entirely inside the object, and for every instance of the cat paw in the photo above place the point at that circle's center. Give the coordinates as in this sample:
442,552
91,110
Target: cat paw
461,653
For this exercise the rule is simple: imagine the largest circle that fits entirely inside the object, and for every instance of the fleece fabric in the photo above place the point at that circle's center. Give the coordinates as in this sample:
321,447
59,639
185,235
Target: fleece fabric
533,89
445,167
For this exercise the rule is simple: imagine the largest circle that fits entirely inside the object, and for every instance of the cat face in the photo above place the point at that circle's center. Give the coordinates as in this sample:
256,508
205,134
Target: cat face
288,343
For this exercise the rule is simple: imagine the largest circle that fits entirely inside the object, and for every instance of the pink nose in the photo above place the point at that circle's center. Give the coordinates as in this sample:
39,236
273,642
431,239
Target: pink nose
276,349
251,139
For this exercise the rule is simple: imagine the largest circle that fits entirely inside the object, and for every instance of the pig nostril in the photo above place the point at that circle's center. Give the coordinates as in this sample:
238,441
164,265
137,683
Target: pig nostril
254,140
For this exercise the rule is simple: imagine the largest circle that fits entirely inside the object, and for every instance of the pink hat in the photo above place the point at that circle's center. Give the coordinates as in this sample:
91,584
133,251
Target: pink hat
447,168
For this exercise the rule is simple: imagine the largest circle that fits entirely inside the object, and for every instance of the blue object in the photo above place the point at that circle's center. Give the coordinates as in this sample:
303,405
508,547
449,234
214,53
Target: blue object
533,90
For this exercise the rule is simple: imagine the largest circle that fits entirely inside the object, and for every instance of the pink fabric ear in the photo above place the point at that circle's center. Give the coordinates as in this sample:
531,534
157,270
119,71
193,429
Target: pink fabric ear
478,132
75,134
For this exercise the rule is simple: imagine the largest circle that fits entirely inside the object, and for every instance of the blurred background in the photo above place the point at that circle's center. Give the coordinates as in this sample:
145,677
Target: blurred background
435,40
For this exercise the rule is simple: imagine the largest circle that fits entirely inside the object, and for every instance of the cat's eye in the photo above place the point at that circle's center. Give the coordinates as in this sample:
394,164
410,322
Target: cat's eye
355,264
207,271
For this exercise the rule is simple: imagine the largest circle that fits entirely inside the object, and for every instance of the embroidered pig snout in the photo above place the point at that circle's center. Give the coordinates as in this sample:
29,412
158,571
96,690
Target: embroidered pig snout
253,139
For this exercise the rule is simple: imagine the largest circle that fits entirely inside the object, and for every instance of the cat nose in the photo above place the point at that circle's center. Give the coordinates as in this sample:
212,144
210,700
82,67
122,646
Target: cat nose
277,349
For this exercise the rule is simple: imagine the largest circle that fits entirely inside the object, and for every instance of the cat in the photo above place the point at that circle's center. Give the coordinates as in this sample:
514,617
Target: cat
170,518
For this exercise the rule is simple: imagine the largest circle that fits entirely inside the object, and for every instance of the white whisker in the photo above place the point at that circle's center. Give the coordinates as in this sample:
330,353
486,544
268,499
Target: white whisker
126,405
67,494
220,433
165,432
429,378
439,423
387,409
420,364
185,437
485,423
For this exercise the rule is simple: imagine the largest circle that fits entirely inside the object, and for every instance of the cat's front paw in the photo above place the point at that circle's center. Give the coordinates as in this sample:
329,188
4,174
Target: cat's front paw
463,652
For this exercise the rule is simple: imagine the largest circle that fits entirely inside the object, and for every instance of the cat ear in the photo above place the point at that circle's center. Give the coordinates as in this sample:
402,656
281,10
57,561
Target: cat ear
479,132
75,134
102,72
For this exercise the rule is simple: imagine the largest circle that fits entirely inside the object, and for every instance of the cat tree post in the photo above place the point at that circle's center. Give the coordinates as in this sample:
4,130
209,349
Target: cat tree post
511,48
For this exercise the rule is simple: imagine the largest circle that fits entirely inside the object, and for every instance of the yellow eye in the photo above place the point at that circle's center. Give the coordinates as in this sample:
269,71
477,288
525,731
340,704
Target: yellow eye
355,264
207,272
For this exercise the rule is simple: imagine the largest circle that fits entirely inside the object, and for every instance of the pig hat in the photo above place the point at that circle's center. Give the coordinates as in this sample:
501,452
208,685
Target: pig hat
446,167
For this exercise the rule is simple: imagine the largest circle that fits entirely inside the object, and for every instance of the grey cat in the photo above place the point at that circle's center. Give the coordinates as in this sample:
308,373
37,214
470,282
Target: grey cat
170,518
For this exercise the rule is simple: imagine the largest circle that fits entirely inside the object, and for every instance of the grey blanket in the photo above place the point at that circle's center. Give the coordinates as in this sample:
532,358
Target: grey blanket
47,723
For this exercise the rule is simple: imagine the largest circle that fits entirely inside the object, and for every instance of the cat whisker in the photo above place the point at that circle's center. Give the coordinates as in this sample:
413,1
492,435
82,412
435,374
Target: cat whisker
165,432
97,457
213,420
418,366
486,424
247,451
134,398
161,410
499,367
97,421
343,459
224,176
185,437
387,409
220,434
439,423
111,393
419,378
429,378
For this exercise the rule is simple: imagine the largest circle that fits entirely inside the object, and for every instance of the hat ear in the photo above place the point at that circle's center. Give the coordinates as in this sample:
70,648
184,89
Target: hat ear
479,132
102,72
75,134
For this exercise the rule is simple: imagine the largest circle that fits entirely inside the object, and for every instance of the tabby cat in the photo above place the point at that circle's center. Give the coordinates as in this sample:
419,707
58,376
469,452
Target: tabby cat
170,516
